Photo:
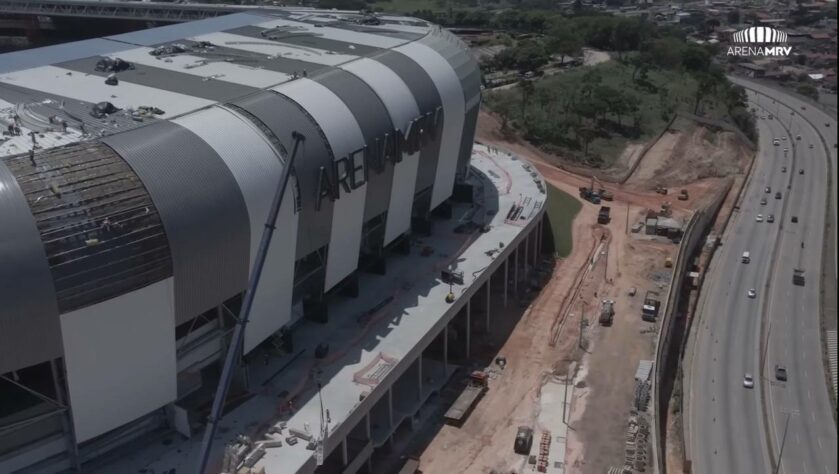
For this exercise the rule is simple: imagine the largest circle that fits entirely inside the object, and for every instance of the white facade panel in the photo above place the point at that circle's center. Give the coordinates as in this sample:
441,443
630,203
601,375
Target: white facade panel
92,88
402,108
202,67
273,48
344,136
120,358
256,168
454,112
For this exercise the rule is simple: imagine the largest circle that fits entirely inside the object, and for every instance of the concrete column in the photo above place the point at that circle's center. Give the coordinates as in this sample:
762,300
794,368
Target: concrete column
506,278
390,407
419,377
516,270
344,454
526,252
66,419
489,292
468,329
446,350
369,440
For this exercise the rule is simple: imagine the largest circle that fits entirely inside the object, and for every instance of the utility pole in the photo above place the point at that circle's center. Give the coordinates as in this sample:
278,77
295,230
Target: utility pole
783,442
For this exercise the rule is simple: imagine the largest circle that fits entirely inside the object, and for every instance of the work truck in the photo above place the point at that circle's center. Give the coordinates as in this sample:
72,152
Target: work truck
605,215
607,313
477,386
652,302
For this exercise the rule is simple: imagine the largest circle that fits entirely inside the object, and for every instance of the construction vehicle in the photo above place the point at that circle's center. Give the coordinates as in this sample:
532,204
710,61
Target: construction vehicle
607,313
683,195
604,216
652,302
478,385
661,189
524,440
604,193
666,209
589,195
798,277
668,262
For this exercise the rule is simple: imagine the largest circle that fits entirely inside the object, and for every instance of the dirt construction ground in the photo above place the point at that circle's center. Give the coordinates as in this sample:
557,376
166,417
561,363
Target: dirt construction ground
605,370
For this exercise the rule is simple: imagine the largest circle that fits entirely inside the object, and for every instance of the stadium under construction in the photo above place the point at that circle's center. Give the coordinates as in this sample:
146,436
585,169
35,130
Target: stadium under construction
136,176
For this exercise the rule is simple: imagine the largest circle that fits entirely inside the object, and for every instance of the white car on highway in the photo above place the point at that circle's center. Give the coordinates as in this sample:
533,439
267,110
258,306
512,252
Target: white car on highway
759,218
748,381
752,293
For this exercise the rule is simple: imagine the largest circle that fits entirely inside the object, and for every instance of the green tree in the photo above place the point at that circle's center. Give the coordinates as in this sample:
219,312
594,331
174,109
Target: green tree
696,58
808,90
666,52
564,39
527,90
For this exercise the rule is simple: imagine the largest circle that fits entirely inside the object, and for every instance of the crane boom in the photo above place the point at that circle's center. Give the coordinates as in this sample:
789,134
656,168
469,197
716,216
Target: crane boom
239,332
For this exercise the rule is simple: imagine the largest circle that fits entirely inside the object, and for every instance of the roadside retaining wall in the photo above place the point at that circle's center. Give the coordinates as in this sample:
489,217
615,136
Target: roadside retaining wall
666,354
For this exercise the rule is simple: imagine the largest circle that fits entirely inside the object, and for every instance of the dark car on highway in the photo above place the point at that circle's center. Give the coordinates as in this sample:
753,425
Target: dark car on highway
778,195
781,373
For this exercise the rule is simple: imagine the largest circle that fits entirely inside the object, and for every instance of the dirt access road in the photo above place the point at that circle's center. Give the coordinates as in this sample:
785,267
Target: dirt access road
605,369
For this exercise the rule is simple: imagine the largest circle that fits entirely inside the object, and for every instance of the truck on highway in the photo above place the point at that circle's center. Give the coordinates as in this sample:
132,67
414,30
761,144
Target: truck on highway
477,386
798,277
746,258
652,302
605,215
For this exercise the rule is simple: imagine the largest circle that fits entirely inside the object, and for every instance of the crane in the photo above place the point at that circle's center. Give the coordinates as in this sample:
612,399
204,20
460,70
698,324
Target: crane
247,303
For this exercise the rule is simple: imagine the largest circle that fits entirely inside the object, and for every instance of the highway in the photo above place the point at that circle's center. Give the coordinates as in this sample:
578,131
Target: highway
793,315
726,420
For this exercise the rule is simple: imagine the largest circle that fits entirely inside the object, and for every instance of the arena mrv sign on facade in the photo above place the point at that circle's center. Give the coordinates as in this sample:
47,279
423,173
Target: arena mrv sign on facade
759,41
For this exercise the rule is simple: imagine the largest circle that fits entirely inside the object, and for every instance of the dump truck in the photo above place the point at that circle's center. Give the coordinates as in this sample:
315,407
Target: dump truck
604,216
474,390
652,302
798,277
606,195
524,440
683,195
607,312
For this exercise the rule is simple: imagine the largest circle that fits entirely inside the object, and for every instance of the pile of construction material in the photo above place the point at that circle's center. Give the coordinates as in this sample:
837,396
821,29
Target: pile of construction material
242,454
637,443
642,395
544,451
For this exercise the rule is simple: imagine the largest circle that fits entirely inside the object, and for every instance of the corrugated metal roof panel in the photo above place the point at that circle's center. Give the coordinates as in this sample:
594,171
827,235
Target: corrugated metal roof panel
202,210
283,116
216,89
29,327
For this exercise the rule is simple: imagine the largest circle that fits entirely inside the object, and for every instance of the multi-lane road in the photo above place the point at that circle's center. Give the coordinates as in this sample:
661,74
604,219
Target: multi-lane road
728,421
